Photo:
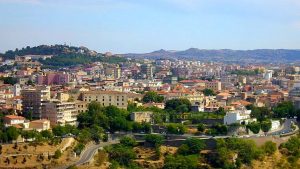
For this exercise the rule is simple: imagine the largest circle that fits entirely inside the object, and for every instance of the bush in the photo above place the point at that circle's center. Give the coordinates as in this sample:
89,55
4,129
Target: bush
128,141
269,147
201,127
154,140
176,129
121,154
178,162
57,154
191,146
78,148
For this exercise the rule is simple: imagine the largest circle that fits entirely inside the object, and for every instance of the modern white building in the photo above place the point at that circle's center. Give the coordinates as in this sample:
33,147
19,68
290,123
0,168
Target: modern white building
268,75
238,116
60,113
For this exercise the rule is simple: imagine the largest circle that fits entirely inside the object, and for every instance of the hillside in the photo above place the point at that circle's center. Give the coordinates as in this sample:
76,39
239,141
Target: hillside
63,55
226,55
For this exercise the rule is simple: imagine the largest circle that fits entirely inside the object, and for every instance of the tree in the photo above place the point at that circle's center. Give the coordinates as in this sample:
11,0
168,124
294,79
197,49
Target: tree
254,127
178,105
269,147
284,110
208,92
218,129
84,136
266,125
120,153
201,127
260,113
191,146
57,154
128,141
176,129
59,131
154,140
181,162
46,134
12,133
152,97
78,148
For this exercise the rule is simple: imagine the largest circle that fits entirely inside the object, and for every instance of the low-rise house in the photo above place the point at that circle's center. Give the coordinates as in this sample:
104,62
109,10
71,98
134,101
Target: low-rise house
238,116
142,116
11,120
40,125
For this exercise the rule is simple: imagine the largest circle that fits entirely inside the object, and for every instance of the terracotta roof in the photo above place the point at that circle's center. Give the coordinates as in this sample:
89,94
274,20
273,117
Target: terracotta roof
15,117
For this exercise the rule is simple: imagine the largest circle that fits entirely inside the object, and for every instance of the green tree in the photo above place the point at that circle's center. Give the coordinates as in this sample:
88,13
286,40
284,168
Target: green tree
254,127
59,131
154,140
46,134
128,141
176,129
269,147
178,105
191,146
152,97
266,125
208,92
122,154
79,148
201,127
284,110
57,154
12,133
181,162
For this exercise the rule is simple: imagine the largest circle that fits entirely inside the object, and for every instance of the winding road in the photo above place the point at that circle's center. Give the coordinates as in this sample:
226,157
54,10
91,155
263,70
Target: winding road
90,151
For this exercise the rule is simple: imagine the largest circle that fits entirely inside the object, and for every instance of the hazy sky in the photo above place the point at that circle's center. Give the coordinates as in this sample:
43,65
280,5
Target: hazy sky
123,26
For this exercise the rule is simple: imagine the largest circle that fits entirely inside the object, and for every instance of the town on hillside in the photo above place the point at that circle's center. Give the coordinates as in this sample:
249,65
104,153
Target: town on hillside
71,107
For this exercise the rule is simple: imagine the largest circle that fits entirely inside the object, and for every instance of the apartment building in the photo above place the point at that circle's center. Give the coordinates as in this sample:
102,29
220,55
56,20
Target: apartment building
33,99
60,113
106,98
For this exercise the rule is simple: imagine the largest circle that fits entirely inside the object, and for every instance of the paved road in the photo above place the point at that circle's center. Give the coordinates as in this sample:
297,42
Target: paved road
89,153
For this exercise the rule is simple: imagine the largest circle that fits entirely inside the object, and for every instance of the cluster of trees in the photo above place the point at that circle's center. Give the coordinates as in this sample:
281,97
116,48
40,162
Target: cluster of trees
151,96
77,59
217,129
285,110
40,50
178,105
233,152
255,127
9,80
246,72
187,155
176,128
110,119
208,92
291,149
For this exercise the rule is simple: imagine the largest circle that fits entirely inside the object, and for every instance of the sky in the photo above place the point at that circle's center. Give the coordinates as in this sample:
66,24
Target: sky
137,26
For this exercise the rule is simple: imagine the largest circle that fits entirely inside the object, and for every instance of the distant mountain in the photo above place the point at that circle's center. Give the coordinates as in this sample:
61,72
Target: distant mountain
225,55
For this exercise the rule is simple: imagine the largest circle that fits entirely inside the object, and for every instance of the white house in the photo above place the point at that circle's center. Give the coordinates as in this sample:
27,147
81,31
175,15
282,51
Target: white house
10,120
238,116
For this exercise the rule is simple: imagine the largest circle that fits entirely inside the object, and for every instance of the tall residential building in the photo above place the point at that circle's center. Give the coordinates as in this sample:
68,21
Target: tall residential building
147,69
113,72
60,113
33,99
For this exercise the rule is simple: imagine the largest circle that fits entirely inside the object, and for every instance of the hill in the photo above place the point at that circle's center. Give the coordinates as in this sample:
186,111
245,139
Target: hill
226,55
63,55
